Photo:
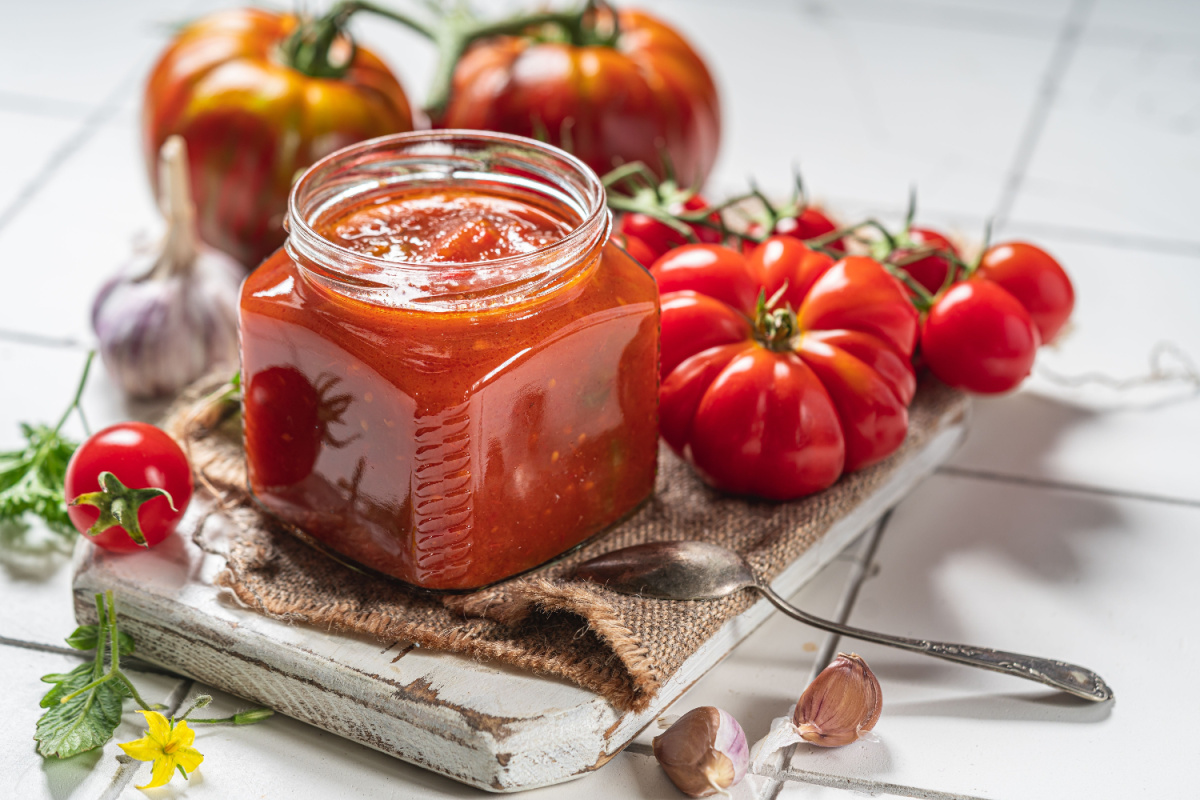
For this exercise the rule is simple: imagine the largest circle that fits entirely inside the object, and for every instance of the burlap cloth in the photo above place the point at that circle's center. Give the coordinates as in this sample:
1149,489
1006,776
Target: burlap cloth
624,648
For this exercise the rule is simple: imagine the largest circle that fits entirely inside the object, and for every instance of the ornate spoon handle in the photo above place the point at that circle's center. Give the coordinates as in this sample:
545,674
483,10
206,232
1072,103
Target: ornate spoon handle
1070,678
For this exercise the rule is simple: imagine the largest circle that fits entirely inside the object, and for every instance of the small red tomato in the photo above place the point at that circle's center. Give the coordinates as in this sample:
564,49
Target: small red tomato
980,338
660,237
810,224
635,247
930,271
145,462
1031,275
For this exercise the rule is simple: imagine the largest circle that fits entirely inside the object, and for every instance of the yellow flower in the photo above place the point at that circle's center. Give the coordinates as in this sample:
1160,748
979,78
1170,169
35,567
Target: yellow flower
169,745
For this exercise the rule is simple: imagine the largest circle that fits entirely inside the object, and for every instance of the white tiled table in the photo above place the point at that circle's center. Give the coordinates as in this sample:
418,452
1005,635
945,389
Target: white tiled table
1069,525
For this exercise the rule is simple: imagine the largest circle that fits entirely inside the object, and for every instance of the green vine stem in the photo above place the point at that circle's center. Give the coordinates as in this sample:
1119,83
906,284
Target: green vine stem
455,29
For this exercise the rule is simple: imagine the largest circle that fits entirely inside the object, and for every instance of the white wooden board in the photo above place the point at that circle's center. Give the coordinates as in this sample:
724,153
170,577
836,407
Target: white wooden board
486,725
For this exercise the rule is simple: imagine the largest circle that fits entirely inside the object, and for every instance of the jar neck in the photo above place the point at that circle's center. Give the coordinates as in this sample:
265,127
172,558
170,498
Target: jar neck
464,161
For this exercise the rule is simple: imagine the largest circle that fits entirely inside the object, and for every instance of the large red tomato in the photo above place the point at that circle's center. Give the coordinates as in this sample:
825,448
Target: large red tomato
610,94
258,104
778,400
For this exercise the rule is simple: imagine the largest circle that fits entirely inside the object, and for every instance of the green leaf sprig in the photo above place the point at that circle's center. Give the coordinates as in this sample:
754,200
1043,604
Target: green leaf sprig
32,477
84,707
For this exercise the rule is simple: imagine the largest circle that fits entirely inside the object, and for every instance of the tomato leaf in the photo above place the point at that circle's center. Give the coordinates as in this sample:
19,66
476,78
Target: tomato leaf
85,637
31,480
84,722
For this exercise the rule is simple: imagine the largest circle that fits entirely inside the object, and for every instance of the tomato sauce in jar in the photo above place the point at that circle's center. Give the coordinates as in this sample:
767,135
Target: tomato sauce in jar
450,373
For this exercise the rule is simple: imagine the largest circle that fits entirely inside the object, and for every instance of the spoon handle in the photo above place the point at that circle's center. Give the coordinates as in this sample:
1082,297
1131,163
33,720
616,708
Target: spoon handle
1070,678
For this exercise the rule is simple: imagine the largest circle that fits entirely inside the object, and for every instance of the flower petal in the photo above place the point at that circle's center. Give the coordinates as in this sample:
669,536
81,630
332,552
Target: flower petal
183,735
160,728
164,768
144,749
189,758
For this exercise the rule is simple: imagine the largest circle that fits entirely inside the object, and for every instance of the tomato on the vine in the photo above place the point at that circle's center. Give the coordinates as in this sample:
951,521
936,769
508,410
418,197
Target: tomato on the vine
132,476
811,223
777,398
979,337
1036,279
660,237
635,247
930,271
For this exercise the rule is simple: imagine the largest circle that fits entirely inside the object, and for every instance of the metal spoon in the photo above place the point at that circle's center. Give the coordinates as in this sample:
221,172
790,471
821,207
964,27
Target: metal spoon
703,571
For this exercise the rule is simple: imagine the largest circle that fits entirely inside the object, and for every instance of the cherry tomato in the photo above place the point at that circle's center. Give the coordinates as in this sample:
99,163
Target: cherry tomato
1031,275
254,115
930,271
611,94
141,456
778,402
810,224
636,248
980,338
660,237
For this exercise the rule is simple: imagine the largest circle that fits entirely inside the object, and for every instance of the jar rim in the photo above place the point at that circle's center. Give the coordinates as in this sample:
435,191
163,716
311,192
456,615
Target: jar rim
299,225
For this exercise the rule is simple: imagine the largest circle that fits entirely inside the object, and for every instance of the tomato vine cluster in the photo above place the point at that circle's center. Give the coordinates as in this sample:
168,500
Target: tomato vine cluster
778,398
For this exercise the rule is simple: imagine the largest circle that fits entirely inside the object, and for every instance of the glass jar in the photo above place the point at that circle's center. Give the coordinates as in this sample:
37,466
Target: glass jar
450,373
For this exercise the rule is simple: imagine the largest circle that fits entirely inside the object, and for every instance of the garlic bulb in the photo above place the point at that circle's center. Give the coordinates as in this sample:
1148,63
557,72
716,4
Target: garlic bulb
170,316
704,752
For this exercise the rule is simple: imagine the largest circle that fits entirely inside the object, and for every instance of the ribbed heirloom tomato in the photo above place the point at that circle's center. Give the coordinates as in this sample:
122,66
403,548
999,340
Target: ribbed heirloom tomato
612,89
259,96
778,397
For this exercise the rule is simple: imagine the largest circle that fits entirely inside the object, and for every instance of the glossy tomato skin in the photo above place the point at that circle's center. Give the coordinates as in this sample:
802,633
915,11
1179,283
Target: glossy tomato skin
649,94
141,456
978,337
1036,279
782,419
660,237
252,123
810,224
930,271
638,250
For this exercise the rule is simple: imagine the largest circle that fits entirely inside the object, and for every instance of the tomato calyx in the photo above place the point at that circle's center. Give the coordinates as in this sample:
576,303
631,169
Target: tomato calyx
775,328
119,506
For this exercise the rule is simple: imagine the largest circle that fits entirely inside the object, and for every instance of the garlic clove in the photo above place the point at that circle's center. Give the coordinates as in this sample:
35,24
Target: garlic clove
704,752
840,705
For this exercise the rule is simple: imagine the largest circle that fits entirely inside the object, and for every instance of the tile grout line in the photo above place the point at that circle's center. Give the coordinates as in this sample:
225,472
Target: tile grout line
73,143
854,582
1060,59
866,785
1044,483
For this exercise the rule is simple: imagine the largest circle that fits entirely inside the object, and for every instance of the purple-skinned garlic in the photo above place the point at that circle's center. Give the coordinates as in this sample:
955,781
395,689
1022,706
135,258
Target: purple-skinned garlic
170,316
704,752
839,707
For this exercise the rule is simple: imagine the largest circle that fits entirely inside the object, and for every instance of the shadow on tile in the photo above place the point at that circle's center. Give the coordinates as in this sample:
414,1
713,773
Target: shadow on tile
1041,707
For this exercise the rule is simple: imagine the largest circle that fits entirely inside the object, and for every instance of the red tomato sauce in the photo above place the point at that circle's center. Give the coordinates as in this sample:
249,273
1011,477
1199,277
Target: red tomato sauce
452,448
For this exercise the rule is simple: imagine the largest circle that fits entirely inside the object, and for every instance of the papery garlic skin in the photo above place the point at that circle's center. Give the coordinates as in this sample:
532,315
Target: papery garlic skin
840,705
158,333
704,752
171,316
